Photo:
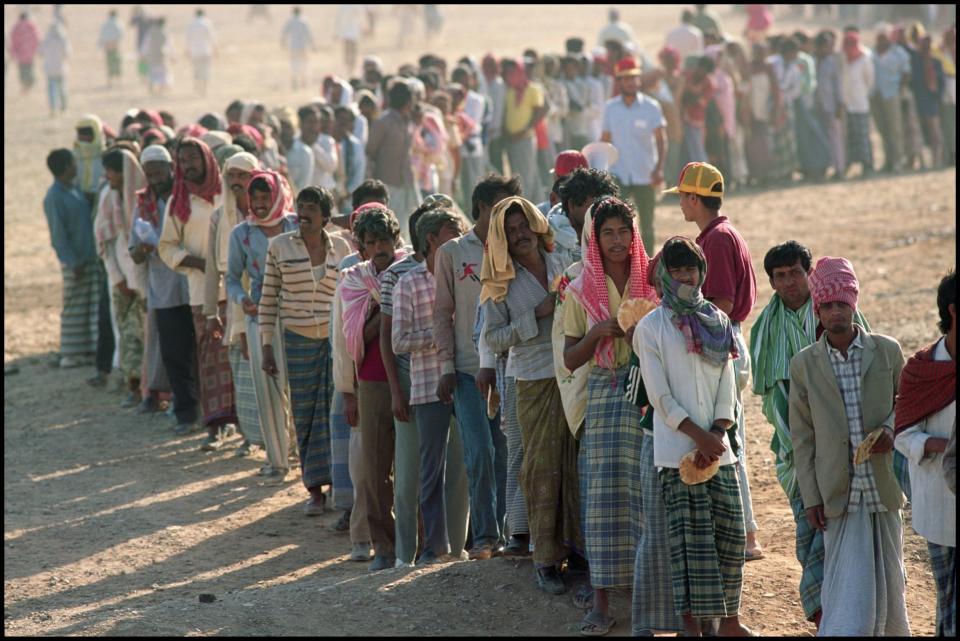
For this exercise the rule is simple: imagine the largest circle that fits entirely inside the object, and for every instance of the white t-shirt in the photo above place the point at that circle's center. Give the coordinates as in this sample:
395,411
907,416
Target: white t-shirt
200,38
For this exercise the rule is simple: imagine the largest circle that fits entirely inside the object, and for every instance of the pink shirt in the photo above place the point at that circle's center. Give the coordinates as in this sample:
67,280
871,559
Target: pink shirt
24,41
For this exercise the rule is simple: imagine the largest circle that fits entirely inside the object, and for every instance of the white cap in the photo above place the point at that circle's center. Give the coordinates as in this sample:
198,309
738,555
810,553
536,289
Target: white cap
155,153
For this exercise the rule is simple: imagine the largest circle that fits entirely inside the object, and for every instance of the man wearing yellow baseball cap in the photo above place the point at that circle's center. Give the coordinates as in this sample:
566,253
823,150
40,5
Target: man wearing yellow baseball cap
730,285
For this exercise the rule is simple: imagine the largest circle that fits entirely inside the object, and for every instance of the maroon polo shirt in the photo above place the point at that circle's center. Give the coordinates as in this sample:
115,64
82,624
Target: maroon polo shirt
729,269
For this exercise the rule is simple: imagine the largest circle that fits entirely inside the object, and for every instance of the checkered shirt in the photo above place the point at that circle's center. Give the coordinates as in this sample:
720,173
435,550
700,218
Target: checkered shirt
413,300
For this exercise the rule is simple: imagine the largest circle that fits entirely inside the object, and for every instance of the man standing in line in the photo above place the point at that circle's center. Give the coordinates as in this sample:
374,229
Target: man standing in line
197,192
524,108
297,37
635,125
842,389
732,287
201,47
926,419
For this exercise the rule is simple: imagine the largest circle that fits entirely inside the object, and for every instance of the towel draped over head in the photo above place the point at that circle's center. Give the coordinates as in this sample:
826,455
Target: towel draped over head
497,269
208,190
112,220
89,152
281,199
833,280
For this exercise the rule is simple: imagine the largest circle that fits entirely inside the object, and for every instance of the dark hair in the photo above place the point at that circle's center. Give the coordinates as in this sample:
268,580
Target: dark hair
366,98
462,72
259,184
58,161
432,221
430,79
168,119
680,251
786,255
211,122
946,295
491,186
399,95
113,160
706,64
318,196
343,109
379,222
306,111
583,183
325,111
236,104
370,189
609,208
713,203
130,144
247,143
199,12
415,238
686,16
556,185
127,121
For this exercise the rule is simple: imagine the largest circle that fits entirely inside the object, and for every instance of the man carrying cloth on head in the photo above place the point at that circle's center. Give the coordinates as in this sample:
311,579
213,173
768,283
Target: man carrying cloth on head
518,266
842,389
785,326
926,419
183,247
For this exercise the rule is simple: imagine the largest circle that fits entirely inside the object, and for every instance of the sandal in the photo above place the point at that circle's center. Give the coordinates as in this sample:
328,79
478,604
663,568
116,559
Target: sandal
596,627
751,555
583,599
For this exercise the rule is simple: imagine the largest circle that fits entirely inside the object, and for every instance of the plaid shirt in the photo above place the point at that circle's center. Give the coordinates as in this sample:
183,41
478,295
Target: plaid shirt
413,300
848,373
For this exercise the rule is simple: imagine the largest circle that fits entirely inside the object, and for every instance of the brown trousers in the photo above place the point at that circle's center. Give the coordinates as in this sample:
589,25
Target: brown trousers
377,436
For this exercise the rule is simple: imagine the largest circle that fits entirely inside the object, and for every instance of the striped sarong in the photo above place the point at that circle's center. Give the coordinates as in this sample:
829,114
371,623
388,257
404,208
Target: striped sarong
248,415
608,466
858,140
130,313
943,560
652,579
901,469
516,503
548,475
213,367
340,455
309,374
78,320
707,542
784,149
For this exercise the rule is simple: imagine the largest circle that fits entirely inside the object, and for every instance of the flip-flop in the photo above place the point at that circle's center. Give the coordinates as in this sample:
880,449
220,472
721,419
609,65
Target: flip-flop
594,628
583,599
750,555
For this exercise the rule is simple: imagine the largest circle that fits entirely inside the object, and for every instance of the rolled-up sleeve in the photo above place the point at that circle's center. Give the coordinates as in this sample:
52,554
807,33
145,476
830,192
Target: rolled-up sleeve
911,442
725,406
647,348
171,248
503,331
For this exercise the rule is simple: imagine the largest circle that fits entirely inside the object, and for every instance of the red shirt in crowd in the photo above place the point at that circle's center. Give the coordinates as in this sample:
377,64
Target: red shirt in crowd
729,269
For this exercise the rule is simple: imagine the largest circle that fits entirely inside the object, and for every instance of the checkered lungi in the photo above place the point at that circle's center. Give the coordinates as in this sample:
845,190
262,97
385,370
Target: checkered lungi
943,560
248,415
858,139
516,504
215,377
309,374
810,554
78,320
652,580
707,542
901,470
608,466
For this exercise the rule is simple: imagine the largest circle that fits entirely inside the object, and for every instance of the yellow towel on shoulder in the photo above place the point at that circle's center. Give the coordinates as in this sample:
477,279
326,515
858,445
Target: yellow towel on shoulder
497,270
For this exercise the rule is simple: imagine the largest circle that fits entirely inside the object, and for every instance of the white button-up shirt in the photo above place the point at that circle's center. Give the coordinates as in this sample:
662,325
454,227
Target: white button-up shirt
856,83
681,385
934,506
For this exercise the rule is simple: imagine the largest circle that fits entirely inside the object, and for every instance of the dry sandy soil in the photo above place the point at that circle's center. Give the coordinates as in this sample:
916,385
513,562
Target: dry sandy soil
113,526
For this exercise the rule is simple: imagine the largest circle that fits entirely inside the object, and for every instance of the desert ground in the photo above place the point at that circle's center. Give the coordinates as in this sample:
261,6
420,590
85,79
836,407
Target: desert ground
114,526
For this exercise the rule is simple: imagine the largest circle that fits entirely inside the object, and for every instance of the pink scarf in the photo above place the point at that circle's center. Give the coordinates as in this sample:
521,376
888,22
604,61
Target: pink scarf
359,290
590,289
281,198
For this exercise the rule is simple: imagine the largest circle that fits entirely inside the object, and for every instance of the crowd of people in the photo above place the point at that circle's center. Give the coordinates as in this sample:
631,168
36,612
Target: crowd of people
538,377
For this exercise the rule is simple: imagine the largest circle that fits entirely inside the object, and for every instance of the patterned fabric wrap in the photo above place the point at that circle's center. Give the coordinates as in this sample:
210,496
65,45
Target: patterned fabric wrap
608,466
281,200
216,381
590,287
926,387
78,320
88,153
516,503
707,542
497,270
209,189
309,374
359,289
112,219
943,561
130,312
707,331
833,280
248,415
810,554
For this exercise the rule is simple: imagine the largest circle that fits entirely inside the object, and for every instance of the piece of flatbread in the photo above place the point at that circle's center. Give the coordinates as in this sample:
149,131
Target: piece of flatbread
493,402
632,312
693,475
555,284
862,455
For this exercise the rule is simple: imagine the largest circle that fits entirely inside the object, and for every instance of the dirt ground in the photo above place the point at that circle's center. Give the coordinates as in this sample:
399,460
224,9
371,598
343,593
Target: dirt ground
114,526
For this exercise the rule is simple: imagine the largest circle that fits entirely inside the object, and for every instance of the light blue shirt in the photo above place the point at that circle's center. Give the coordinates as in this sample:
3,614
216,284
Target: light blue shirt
632,133
248,253
890,68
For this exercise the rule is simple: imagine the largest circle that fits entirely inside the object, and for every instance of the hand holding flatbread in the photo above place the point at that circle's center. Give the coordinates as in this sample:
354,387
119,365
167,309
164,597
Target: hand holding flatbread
493,402
862,455
555,284
632,312
693,475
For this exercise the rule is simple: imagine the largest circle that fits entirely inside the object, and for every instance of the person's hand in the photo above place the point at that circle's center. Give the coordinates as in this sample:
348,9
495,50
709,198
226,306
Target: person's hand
249,307
125,291
448,383
608,328
546,306
629,334
656,177
884,444
146,248
78,271
244,348
269,362
214,328
350,410
486,377
400,406
816,518
709,446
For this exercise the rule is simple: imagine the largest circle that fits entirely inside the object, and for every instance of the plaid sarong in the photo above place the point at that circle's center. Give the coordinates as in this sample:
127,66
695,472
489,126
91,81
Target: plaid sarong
652,580
784,148
858,139
248,415
707,542
340,455
309,374
608,466
549,472
943,561
810,555
901,469
516,504
78,320
216,380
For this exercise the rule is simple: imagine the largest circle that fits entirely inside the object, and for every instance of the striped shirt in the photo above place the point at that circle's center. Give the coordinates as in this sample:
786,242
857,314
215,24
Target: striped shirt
413,298
848,373
292,289
388,281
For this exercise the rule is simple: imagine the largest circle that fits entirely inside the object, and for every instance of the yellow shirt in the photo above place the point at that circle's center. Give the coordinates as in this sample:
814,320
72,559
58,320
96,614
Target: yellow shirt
518,115
575,323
